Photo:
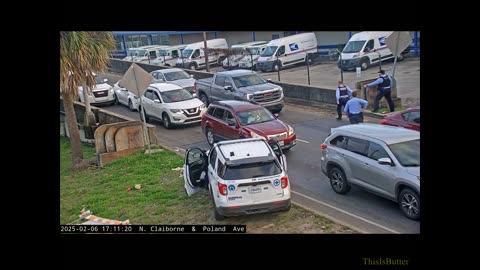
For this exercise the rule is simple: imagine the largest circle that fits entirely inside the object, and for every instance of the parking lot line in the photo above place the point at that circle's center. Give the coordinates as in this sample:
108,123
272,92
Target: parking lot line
302,141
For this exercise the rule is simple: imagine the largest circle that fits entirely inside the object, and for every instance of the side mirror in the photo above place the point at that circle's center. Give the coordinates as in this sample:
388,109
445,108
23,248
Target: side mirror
157,100
105,80
385,161
228,87
231,122
276,115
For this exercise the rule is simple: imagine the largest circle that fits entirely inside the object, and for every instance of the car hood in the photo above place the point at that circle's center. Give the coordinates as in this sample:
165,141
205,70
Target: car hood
260,87
187,104
414,171
98,87
268,128
184,82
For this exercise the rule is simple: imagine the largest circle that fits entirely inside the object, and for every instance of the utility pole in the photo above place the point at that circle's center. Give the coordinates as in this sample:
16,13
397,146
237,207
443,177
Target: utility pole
206,50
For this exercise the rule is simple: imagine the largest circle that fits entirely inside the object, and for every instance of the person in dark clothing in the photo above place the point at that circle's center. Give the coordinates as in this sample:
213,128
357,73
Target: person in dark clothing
384,83
342,93
353,109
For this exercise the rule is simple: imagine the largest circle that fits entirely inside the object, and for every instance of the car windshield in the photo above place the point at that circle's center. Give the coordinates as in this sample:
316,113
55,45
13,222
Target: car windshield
254,51
163,52
407,153
248,80
255,116
98,79
131,52
251,170
176,75
186,53
269,51
141,53
354,46
176,96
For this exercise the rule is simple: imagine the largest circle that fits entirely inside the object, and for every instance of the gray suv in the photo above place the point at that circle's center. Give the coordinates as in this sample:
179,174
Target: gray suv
381,159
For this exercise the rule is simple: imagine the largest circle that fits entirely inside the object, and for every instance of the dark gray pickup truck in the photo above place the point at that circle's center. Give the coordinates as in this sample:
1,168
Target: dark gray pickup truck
240,84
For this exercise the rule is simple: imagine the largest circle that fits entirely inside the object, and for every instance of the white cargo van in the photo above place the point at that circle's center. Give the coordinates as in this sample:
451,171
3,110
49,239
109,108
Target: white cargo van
255,51
193,56
168,56
149,54
233,60
287,51
365,49
133,52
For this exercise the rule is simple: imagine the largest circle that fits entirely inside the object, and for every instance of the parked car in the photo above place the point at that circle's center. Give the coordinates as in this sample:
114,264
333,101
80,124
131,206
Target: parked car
176,76
232,119
409,118
246,176
102,93
126,97
241,84
171,104
381,159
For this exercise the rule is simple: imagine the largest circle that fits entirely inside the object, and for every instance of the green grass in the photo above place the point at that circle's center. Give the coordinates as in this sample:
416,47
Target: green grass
162,199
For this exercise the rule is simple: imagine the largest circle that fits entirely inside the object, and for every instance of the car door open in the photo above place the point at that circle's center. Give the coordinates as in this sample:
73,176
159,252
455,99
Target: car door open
194,170
279,153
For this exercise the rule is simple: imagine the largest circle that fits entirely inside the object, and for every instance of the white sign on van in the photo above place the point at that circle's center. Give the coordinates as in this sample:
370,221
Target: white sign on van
404,41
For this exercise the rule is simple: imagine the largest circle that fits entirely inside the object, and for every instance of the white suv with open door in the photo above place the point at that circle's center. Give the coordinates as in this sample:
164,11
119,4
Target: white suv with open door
244,176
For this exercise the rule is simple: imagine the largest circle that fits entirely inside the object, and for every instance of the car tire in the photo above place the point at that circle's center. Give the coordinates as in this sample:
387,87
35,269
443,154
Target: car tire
193,66
210,136
166,121
130,105
204,99
364,64
338,181
289,206
409,203
147,118
216,215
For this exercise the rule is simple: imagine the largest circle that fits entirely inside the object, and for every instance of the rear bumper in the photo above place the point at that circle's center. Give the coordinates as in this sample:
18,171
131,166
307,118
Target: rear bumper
254,209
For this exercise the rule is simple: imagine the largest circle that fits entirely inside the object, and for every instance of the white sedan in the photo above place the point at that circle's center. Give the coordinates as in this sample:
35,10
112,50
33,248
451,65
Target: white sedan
126,97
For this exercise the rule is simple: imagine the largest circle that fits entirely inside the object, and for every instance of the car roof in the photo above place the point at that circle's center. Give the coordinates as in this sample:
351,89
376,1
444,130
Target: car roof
236,72
163,87
236,105
167,70
387,134
244,149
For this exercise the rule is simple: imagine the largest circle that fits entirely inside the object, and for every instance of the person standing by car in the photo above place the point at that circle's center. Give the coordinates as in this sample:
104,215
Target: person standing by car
343,93
384,90
353,109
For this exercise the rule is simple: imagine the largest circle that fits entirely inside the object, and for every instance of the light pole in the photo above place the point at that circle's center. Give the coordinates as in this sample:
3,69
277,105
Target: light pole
308,69
341,67
278,70
183,62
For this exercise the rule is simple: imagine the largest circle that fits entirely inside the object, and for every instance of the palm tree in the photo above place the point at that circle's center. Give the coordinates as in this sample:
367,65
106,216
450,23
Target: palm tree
81,54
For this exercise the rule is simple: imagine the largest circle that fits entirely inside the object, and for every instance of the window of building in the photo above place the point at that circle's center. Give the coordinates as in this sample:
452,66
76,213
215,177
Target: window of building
275,36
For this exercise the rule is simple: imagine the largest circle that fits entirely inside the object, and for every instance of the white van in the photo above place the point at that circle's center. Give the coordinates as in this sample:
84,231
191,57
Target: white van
233,60
365,49
193,56
287,51
168,56
133,52
149,54
246,62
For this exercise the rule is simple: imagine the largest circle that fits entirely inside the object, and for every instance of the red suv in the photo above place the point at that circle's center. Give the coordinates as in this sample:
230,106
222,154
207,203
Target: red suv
232,119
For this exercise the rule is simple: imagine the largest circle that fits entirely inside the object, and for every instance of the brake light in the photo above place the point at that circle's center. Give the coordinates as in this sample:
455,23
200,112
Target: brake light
222,188
284,181
384,121
323,146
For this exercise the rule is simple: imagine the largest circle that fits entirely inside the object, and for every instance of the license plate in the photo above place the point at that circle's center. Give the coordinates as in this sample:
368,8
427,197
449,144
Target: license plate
100,92
281,143
254,189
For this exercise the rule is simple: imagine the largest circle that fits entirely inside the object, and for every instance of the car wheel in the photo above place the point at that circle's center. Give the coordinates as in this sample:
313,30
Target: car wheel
166,121
147,118
130,105
215,212
210,136
338,181
204,99
409,202
193,66
289,206
364,64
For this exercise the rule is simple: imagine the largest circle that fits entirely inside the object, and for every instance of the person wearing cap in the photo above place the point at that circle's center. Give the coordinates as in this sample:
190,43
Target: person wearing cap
353,109
384,83
342,93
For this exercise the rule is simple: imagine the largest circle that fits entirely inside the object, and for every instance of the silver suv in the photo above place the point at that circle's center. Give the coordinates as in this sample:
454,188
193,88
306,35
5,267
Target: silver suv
382,159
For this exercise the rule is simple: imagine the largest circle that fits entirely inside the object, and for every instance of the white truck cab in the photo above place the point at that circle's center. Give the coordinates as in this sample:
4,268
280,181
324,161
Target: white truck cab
149,54
193,56
365,49
168,56
244,176
233,60
287,51
102,93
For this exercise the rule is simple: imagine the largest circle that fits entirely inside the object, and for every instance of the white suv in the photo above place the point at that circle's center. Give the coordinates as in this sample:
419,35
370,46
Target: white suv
102,93
244,176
